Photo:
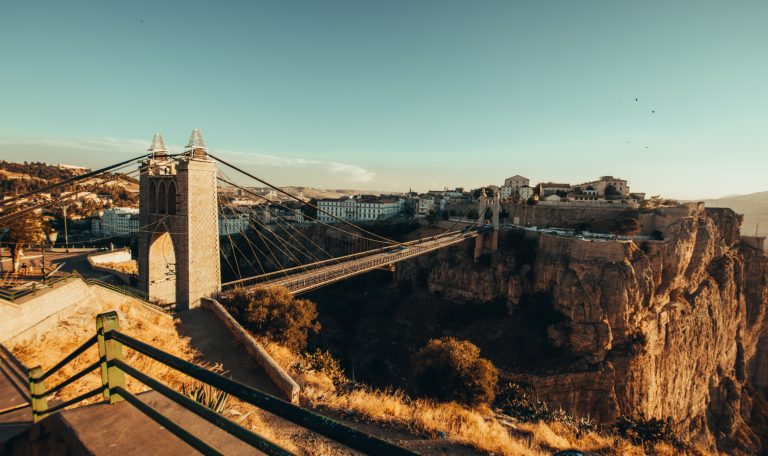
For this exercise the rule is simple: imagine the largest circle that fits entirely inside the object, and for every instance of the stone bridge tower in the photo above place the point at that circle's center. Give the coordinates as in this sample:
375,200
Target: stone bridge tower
179,224
487,240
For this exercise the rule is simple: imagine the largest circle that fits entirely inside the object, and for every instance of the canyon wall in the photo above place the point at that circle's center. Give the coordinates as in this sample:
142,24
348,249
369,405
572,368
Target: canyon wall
667,328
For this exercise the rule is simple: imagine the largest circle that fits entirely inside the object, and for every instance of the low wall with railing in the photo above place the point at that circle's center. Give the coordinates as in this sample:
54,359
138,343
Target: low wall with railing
105,261
34,314
284,382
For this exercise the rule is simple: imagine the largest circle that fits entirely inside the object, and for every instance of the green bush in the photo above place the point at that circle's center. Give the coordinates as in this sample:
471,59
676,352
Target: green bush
274,313
448,369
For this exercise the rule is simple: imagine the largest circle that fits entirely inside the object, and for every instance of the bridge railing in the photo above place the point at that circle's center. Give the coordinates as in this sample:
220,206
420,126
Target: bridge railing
305,282
114,369
249,281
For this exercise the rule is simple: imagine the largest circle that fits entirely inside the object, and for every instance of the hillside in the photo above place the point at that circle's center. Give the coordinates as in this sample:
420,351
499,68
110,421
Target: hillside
754,207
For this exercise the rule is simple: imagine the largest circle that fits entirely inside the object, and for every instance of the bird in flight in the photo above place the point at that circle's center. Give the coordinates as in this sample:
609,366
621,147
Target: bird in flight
635,99
142,20
653,112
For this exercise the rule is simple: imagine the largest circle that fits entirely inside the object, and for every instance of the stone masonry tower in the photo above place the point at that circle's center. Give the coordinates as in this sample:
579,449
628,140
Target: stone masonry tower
179,224
487,240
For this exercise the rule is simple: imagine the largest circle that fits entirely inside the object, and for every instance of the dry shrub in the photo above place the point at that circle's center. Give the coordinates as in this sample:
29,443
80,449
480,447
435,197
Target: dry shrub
275,314
136,320
448,369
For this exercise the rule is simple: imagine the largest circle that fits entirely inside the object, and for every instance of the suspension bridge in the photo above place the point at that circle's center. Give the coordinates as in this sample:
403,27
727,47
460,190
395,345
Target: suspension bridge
181,200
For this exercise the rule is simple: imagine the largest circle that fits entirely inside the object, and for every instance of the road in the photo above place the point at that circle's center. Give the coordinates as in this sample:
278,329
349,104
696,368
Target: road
302,279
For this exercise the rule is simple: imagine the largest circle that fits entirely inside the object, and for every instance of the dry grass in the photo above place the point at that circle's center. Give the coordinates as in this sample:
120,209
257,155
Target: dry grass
135,320
477,428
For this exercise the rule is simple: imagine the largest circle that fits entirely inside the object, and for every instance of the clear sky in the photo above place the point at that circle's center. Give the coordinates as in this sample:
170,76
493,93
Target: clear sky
389,95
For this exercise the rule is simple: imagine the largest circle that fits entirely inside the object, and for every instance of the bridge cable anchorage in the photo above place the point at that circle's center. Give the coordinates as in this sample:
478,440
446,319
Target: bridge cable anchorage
5,219
313,219
384,239
73,180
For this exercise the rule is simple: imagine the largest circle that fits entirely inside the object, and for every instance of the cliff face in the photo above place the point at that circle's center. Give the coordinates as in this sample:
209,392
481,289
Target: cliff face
664,329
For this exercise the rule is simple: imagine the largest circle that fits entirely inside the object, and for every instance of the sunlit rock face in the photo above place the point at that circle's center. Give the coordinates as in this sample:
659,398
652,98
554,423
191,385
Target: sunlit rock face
649,328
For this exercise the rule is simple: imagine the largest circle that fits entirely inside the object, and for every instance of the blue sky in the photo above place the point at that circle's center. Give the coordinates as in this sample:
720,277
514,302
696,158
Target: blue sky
389,95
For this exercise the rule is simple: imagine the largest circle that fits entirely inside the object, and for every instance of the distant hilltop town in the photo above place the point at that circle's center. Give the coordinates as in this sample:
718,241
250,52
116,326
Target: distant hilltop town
110,207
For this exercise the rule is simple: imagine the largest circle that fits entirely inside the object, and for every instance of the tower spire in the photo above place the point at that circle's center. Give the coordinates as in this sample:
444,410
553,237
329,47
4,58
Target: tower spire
158,145
196,143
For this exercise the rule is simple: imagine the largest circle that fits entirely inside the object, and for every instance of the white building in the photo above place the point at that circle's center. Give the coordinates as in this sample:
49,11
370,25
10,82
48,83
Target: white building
118,221
232,223
525,192
425,205
516,182
359,208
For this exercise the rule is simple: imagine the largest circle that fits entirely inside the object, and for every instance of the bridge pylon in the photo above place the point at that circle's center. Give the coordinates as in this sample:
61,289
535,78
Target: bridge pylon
178,254
487,240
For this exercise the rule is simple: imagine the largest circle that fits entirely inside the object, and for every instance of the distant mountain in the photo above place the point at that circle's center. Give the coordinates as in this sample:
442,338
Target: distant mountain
754,207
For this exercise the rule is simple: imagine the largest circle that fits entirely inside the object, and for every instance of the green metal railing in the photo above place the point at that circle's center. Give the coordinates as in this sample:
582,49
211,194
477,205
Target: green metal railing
13,295
114,369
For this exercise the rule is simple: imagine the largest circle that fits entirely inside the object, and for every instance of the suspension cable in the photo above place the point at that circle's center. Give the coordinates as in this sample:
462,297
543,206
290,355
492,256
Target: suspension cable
383,239
72,180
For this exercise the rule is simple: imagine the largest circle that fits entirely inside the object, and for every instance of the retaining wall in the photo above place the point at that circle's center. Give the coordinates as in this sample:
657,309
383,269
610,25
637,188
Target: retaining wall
287,385
33,315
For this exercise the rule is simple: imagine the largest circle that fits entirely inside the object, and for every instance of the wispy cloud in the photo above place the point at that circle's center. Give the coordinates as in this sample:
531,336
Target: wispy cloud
344,171
82,150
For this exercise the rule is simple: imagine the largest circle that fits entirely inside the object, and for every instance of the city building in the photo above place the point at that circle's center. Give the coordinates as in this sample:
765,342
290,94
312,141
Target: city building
525,192
425,205
516,182
359,208
118,221
233,223
549,188
606,186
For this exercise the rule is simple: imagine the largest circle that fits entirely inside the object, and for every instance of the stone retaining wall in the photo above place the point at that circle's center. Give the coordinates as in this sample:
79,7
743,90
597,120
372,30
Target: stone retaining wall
287,385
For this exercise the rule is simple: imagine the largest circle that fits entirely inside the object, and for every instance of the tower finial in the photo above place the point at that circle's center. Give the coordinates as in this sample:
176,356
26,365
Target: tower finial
196,140
158,145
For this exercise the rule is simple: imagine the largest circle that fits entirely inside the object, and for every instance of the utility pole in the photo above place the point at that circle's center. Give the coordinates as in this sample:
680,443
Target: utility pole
66,234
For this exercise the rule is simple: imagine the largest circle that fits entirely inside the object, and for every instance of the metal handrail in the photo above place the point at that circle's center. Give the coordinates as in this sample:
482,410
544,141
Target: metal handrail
113,369
322,425
204,412
67,359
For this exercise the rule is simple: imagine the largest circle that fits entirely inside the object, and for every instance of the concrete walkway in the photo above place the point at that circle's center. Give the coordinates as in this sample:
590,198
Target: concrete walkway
104,429
217,345
12,394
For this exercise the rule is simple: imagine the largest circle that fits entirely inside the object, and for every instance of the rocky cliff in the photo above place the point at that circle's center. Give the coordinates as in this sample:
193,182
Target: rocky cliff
665,328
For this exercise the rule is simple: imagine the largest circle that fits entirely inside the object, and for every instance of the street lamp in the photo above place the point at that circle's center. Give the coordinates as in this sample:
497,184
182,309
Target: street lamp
52,236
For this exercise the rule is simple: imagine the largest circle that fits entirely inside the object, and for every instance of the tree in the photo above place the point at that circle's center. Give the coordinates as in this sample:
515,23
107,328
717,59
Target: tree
22,232
274,313
448,369
610,190
431,217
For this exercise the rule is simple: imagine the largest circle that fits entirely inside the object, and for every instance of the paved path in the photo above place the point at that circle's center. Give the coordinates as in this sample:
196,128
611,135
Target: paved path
12,394
217,346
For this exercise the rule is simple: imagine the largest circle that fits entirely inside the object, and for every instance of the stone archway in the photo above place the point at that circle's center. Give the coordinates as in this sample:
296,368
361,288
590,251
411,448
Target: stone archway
161,266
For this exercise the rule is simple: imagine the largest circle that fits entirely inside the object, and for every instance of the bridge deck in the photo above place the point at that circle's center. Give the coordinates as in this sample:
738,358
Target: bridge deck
303,279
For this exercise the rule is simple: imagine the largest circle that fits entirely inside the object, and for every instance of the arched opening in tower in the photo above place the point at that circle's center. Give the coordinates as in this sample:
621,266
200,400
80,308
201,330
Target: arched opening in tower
172,198
162,199
152,199
162,267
